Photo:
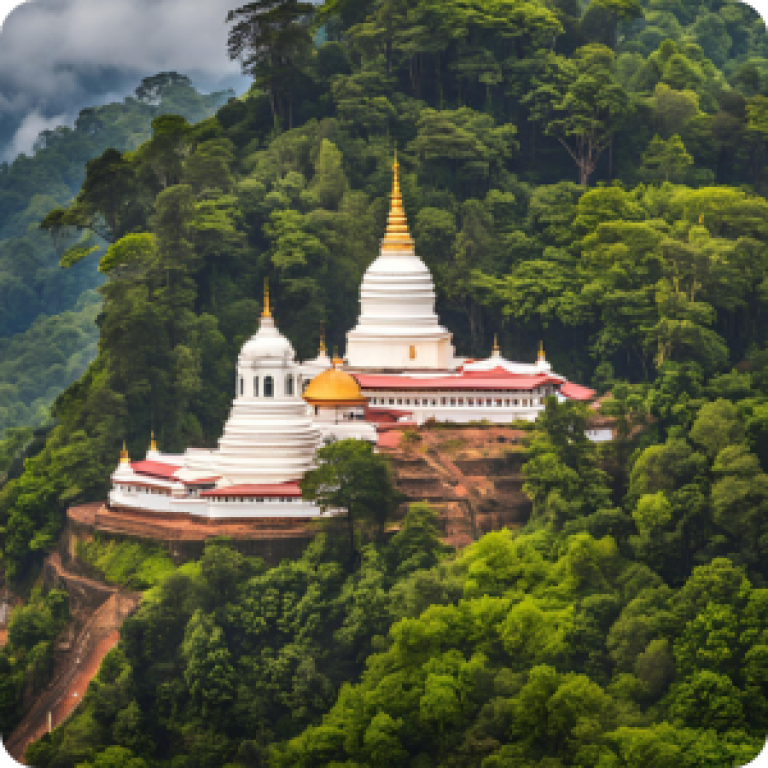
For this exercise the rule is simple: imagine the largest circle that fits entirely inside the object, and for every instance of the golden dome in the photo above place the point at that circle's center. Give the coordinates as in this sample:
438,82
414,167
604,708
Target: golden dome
334,387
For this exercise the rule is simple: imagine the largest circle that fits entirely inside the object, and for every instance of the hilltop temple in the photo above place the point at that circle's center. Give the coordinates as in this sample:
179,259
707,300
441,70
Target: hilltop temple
400,369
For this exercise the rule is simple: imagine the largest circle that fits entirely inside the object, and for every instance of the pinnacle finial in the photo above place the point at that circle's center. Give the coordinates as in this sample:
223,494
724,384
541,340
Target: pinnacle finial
496,347
152,441
397,237
124,457
542,356
266,312
322,342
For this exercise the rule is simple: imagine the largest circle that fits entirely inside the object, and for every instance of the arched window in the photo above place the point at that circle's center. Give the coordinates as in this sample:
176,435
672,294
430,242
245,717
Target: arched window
242,386
289,385
269,386
255,386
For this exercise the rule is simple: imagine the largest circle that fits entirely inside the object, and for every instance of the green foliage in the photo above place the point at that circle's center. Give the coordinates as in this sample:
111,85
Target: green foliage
626,625
135,565
26,661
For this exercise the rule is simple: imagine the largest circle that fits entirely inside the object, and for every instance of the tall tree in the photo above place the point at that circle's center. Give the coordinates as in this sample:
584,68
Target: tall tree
581,103
272,39
352,478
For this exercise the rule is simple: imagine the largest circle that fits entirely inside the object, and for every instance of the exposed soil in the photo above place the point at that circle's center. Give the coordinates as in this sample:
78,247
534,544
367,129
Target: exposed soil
78,664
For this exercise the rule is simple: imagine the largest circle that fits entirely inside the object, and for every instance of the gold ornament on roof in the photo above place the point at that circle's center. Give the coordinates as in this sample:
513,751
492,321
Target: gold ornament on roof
397,236
322,343
541,351
124,457
496,347
266,312
152,441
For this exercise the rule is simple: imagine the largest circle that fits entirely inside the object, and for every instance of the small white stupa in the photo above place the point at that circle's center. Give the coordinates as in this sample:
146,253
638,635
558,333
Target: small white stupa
269,436
398,328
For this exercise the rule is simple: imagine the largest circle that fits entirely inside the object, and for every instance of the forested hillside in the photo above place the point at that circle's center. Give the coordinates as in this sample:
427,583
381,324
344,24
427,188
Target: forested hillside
595,178
37,363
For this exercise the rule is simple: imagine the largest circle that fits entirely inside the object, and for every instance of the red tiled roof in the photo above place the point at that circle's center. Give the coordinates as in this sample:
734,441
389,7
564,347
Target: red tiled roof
575,392
384,415
155,469
478,382
269,490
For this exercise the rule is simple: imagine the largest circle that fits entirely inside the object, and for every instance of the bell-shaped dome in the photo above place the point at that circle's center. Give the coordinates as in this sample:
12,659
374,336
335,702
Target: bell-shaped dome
267,344
397,327
334,387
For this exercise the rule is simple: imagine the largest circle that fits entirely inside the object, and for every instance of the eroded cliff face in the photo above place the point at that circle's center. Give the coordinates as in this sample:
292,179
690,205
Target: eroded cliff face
472,475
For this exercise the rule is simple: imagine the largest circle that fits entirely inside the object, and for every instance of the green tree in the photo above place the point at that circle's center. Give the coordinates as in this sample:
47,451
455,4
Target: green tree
272,39
581,103
354,480
666,160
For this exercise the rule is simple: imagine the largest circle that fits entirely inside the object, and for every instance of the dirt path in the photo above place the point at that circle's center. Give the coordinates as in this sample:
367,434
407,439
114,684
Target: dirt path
99,635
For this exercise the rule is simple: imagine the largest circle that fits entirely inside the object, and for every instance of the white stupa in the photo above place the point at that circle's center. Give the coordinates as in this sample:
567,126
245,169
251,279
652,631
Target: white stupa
269,437
398,328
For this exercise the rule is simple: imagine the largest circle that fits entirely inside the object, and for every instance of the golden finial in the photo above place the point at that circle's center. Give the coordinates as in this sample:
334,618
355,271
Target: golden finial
542,356
337,361
397,237
152,441
322,342
124,457
266,312
496,347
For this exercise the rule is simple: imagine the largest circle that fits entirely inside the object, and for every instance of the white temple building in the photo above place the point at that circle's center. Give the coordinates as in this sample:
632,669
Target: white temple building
400,369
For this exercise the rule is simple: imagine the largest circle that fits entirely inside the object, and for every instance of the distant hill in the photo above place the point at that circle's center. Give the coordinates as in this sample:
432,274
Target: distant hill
32,284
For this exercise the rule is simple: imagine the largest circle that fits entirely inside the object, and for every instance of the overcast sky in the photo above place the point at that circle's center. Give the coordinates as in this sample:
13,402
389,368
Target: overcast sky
58,56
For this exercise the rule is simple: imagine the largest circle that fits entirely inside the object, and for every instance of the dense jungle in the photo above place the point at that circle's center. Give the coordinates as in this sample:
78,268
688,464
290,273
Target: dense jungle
593,176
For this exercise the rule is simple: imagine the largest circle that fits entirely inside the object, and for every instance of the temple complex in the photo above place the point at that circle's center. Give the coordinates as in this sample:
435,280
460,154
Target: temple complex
400,370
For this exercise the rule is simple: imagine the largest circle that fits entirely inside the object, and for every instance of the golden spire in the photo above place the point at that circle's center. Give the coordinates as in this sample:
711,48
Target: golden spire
152,441
266,312
496,347
397,237
322,342
542,356
124,457
337,361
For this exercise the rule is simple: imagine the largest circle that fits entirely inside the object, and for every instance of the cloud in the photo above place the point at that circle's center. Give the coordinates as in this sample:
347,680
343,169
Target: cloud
31,127
58,56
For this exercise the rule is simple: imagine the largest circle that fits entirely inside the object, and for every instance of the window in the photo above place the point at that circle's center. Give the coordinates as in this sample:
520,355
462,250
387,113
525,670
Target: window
442,401
408,401
289,385
255,386
461,401
412,352
470,401
453,402
434,402
506,403
399,400
391,401
489,402
269,386
242,386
